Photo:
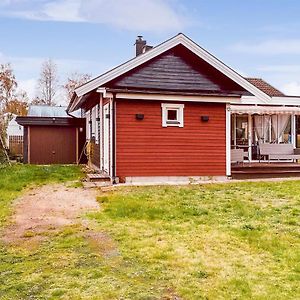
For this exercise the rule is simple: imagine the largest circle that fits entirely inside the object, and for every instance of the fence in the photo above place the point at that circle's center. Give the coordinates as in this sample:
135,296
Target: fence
15,146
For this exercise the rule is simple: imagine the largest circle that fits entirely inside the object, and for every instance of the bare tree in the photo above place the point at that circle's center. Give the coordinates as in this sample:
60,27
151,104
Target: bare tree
48,82
75,80
38,101
8,85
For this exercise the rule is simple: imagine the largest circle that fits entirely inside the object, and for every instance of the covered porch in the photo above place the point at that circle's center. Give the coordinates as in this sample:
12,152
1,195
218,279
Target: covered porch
265,141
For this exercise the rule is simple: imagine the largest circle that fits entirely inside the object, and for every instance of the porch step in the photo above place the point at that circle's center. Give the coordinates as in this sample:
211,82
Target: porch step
265,170
97,177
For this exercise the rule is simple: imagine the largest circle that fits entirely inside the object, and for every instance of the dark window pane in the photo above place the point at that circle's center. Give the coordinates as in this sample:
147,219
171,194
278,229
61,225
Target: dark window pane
172,114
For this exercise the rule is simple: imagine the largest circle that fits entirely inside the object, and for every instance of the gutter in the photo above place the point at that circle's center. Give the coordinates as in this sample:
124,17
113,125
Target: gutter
69,114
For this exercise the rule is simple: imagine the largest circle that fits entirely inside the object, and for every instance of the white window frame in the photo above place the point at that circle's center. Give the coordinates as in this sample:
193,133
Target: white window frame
93,118
170,106
97,123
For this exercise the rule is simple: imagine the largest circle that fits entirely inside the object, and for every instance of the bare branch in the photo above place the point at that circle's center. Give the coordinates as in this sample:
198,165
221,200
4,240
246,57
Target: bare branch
75,80
48,82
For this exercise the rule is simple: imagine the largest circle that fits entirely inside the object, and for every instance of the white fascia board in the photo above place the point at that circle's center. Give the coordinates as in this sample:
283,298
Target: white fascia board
185,98
286,100
294,101
131,64
252,100
189,44
76,100
217,64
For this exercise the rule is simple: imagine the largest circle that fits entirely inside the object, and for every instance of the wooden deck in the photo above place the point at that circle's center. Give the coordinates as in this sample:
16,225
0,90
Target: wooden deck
265,170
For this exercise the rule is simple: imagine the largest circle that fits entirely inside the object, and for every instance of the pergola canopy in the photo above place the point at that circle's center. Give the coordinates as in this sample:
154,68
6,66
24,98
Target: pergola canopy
264,110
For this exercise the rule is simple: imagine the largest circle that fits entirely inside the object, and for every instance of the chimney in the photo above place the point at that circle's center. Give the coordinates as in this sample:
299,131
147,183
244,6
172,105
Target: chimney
139,45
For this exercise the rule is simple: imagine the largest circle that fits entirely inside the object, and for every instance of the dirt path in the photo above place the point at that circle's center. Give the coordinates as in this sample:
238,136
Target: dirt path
47,208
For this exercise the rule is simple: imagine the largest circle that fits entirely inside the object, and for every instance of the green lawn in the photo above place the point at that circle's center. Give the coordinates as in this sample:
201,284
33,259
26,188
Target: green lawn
219,241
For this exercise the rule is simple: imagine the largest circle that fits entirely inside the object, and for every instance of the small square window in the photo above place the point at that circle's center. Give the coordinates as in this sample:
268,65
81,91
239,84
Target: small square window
172,115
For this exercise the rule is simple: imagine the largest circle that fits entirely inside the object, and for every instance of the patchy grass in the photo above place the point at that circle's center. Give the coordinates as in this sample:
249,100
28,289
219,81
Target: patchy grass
233,241
237,241
15,178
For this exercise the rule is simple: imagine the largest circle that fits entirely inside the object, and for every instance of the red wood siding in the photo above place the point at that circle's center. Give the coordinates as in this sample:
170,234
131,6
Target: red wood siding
145,148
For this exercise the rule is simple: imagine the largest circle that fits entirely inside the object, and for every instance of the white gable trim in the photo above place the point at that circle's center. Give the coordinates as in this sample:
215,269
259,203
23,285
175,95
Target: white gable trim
178,39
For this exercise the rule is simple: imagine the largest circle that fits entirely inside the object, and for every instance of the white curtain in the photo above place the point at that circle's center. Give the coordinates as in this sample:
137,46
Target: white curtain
261,126
258,126
279,123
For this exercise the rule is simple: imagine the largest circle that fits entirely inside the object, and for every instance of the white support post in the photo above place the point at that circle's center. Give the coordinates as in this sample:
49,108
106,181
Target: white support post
111,110
293,130
228,141
101,131
234,131
249,137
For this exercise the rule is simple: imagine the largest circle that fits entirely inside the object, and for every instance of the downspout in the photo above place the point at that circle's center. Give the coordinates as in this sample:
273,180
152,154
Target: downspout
69,114
114,138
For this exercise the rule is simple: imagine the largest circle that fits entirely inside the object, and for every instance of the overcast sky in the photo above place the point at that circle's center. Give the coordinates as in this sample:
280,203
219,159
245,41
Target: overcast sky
257,38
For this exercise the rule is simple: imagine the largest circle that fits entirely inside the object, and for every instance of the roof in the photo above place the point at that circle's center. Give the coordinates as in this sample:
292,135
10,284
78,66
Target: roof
266,87
50,121
179,39
49,111
178,70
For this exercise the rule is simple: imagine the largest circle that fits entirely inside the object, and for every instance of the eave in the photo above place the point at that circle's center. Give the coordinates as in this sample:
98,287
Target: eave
50,121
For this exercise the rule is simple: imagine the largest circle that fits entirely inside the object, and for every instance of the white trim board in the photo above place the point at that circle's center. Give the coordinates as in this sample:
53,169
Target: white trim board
228,140
179,111
273,100
160,97
169,44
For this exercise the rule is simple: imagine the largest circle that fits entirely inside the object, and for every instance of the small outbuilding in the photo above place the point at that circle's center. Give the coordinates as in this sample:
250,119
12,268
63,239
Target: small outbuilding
51,136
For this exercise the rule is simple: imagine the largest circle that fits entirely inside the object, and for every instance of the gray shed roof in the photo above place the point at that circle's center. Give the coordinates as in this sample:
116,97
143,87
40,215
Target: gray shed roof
50,111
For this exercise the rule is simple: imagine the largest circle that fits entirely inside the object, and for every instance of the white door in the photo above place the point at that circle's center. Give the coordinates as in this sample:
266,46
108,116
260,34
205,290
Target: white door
106,130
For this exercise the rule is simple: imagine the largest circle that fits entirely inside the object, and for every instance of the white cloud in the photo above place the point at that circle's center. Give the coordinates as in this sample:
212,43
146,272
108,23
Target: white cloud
291,88
29,86
154,15
59,10
280,68
269,47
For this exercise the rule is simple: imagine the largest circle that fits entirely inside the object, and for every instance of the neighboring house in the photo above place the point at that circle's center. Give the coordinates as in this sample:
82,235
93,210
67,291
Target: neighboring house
13,128
14,136
51,136
175,112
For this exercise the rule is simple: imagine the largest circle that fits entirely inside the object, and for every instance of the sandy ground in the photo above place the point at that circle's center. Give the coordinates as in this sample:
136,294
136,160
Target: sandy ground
47,208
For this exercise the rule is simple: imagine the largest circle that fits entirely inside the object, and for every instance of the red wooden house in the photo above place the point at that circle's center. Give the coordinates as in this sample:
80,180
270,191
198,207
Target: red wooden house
173,112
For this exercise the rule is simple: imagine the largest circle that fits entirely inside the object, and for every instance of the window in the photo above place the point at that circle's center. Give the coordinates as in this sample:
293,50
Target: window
93,119
98,124
88,126
172,115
